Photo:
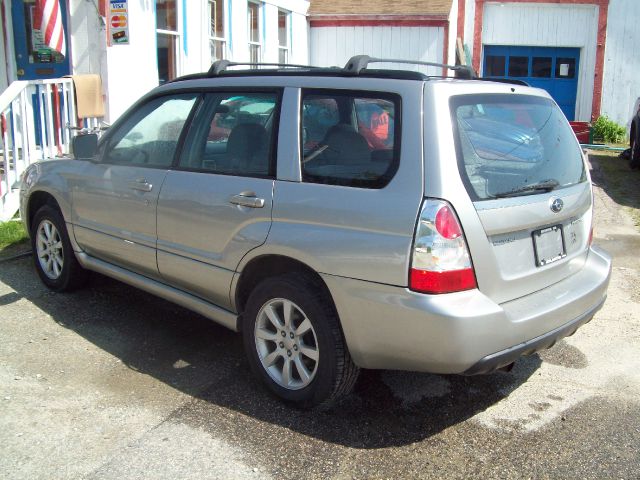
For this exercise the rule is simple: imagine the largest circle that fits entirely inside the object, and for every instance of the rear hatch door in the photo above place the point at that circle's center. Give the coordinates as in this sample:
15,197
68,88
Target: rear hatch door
525,173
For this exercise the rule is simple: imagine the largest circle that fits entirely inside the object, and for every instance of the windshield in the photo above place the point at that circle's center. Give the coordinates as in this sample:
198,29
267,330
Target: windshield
513,145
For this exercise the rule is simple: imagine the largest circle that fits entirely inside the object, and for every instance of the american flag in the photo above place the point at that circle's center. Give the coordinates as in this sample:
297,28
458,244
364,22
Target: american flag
48,19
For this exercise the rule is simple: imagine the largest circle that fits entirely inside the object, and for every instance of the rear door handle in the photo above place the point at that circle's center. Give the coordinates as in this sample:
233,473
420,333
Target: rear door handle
247,199
142,185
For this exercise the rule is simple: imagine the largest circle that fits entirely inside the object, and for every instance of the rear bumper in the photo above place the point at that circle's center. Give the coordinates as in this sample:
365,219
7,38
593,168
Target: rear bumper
466,332
507,356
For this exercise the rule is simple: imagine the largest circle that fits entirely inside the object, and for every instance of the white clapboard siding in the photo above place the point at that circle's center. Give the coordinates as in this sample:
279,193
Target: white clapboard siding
549,25
299,40
621,81
469,19
333,46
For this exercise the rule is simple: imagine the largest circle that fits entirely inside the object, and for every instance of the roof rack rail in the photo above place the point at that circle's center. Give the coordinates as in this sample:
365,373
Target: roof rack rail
513,81
220,66
356,64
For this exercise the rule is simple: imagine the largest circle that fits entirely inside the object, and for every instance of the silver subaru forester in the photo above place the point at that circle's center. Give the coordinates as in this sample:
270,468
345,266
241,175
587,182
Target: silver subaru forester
339,218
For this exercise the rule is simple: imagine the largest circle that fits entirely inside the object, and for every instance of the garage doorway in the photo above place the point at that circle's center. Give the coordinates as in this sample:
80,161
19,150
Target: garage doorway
554,69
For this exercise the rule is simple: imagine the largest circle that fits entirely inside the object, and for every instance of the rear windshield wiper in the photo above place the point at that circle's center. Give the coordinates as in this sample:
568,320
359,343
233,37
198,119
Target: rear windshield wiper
544,186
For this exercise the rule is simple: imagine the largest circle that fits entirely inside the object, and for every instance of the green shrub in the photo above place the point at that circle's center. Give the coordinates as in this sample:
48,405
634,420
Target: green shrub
608,130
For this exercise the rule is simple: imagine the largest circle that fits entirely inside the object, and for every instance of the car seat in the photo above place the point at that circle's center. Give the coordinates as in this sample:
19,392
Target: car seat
345,146
247,149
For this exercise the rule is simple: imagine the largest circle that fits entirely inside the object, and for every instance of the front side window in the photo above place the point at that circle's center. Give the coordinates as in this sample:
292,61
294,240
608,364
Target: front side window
283,36
512,145
350,139
254,32
217,35
168,40
149,137
233,135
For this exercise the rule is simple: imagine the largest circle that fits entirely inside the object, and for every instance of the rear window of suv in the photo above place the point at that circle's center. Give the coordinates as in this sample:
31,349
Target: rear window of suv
513,145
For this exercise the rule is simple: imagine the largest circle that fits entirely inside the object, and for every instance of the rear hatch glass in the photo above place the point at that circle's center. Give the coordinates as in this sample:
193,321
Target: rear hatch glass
513,145
524,171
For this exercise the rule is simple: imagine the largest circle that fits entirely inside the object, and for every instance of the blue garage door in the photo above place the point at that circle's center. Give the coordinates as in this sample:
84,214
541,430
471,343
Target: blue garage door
554,69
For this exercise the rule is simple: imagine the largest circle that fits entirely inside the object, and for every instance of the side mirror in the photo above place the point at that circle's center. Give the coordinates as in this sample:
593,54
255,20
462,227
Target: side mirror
85,147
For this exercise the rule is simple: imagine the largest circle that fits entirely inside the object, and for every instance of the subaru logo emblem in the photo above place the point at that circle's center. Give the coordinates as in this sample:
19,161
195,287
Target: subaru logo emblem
556,205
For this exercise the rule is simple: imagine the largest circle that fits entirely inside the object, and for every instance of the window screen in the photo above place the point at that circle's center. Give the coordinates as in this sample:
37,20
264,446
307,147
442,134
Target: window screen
167,40
254,32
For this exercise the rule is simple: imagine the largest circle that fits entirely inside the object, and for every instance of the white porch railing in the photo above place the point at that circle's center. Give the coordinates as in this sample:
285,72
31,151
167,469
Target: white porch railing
36,122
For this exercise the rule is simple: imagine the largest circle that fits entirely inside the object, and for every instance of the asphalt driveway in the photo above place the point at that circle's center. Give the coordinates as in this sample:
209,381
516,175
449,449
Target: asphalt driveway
112,383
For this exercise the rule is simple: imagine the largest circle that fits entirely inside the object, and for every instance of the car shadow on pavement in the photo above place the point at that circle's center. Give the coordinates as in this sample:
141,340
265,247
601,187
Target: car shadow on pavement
206,361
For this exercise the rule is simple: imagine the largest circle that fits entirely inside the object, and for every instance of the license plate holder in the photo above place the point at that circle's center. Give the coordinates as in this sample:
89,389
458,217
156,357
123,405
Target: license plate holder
548,245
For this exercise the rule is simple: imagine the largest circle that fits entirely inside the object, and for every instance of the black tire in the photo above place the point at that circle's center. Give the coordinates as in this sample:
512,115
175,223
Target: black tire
71,275
335,373
634,142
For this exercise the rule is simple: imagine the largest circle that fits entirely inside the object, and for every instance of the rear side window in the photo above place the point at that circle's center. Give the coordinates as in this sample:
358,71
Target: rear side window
350,138
513,145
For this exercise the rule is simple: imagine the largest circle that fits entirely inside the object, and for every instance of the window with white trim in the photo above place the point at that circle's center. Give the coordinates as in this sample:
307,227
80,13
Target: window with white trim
254,32
284,18
168,40
217,32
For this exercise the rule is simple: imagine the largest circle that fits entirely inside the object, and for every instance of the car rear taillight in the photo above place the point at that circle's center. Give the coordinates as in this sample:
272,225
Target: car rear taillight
440,261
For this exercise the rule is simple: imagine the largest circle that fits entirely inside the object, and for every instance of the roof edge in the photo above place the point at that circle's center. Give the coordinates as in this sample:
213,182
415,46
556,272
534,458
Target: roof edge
377,16
378,21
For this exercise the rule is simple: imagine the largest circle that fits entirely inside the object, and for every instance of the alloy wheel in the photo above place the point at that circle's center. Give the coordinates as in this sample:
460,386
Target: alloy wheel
49,249
286,343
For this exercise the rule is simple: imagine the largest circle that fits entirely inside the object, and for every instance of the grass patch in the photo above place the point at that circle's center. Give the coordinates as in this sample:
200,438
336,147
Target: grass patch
12,234
620,182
